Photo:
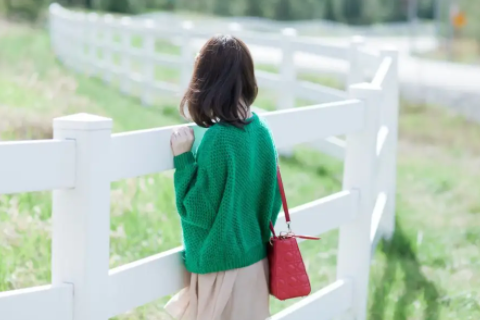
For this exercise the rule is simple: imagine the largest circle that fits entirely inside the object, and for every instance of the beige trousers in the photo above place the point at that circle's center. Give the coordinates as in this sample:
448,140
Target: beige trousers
239,294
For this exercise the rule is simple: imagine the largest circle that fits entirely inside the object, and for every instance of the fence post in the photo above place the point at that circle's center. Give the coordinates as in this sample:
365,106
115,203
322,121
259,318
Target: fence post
68,50
287,71
187,55
390,119
80,38
92,41
353,259
126,63
81,217
286,92
355,72
107,49
53,20
149,65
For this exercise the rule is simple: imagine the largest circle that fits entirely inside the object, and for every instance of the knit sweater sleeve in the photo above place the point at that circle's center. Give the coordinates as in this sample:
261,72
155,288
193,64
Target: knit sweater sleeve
199,181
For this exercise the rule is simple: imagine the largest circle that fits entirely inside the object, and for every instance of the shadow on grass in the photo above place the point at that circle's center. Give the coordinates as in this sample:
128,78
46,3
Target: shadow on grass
400,253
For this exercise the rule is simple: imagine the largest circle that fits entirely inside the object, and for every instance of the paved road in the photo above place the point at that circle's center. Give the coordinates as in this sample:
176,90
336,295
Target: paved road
412,70
423,81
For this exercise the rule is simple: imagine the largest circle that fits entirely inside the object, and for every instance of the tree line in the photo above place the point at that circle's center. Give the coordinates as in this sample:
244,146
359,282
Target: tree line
355,12
348,11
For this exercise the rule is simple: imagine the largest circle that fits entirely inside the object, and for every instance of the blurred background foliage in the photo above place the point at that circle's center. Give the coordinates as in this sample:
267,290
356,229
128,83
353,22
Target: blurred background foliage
354,12
349,11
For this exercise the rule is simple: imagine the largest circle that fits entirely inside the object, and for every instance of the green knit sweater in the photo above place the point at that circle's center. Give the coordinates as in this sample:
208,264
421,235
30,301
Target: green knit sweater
226,196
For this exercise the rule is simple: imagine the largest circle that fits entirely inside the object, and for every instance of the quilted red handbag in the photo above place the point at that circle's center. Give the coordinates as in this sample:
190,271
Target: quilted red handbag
288,275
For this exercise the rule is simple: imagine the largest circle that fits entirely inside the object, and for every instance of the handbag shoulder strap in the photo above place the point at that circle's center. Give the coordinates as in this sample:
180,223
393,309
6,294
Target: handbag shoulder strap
284,201
282,194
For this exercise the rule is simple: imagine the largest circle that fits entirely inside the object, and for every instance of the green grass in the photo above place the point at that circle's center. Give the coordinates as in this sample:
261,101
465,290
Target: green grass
430,271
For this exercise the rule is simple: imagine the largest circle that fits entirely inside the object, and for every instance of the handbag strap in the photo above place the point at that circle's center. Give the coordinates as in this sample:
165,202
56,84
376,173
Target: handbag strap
284,202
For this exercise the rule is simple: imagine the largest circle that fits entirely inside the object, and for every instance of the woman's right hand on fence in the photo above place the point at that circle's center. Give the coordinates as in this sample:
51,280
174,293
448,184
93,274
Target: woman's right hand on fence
182,140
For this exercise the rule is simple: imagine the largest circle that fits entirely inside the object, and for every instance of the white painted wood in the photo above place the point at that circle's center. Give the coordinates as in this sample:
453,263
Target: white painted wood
53,27
381,147
149,67
81,217
249,37
355,72
141,152
318,93
332,146
286,97
369,153
322,215
390,119
165,60
157,87
353,259
382,72
378,211
126,63
39,303
313,123
314,45
370,60
145,280
267,79
76,47
148,151
92,36
372,55
27,166
107,28
187,55
329,302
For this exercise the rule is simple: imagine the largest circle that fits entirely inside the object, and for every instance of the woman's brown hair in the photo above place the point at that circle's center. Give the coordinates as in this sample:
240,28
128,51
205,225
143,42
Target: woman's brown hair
223,85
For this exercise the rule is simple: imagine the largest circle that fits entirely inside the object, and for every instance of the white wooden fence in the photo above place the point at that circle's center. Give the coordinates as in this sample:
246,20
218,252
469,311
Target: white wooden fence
83,158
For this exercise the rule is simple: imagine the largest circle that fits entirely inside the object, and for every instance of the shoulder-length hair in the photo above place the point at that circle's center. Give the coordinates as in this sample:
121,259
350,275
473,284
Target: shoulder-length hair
223,84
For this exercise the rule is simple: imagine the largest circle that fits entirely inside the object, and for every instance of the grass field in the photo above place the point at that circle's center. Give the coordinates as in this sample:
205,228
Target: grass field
429,271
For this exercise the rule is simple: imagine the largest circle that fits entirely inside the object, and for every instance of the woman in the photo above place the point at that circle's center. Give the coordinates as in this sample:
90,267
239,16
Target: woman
226,191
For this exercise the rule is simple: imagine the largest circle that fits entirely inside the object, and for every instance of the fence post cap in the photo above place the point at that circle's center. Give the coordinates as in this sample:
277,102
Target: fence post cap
108,18
234,26
82,121
80,16
289,32
149,23
54,7
187,25
92,16
357,40
125,20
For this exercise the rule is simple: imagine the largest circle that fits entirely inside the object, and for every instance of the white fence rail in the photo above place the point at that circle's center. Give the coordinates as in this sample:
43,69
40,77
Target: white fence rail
84,158
318,26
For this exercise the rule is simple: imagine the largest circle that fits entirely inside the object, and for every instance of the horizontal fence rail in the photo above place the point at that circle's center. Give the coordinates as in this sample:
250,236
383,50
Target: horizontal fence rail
148,151
322,215
84,158
146,280
330,302
39,303
36,166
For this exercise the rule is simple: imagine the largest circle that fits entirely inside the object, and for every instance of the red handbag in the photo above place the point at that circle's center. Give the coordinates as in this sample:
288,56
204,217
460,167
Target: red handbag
288,275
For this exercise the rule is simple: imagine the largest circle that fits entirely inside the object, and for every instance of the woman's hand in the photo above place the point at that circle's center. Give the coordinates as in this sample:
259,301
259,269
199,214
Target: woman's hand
182,140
